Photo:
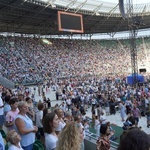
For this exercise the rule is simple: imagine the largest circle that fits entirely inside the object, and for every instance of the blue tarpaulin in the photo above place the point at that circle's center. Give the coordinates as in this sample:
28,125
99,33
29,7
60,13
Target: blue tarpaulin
130,78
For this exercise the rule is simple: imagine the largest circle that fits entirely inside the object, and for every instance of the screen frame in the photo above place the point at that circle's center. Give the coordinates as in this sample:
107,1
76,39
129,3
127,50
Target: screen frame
69,30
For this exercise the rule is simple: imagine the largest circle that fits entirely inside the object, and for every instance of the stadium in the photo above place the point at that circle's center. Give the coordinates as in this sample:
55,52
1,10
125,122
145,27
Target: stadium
78,56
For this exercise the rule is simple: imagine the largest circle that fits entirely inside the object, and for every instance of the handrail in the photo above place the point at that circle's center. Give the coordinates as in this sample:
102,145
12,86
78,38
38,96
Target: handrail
90,135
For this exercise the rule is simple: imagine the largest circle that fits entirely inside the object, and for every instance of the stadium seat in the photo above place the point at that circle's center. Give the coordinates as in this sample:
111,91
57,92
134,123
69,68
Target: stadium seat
6,146
3,133
38,145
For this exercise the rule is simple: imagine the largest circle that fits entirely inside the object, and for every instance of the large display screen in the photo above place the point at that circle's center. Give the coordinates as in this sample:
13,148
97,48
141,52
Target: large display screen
70,22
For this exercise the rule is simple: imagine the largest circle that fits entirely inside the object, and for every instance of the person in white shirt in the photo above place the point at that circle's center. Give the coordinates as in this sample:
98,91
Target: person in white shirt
97,125
68,102
102,118
50,123
63,106
61,123
86,127
14,138
39,121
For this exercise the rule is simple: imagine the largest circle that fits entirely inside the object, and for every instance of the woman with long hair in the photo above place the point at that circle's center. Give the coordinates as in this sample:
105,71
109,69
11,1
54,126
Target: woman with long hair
71,137
61,124
103,142
50,123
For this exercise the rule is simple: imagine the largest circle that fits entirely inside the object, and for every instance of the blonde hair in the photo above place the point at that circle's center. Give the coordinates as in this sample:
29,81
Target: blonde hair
21,104
11,136
69,138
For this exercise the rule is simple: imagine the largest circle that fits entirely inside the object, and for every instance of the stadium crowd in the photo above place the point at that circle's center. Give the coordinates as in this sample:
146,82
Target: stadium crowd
31,119
97,79
27,59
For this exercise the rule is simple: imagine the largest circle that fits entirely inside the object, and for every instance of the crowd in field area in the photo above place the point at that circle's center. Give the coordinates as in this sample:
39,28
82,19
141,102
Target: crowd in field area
66,125
29,59
83,75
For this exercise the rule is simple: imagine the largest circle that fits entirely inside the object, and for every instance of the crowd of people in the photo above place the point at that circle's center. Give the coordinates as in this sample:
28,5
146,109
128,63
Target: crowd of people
83,74
26,122
29,59
29,119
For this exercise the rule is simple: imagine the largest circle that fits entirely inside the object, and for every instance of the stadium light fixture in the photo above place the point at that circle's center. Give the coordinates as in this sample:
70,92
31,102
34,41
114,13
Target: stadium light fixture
47,41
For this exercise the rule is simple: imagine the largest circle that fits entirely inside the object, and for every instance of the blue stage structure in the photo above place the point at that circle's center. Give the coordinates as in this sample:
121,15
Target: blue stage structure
130,79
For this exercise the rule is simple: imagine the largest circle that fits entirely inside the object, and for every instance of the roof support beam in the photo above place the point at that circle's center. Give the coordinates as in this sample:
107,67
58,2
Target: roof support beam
97,9
80,6
70,4
144,10
52,3
112,10
32,17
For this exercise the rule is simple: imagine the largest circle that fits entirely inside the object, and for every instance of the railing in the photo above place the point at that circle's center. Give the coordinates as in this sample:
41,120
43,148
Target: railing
91,137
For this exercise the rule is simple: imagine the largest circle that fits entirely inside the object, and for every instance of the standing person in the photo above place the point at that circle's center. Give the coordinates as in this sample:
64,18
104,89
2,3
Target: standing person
122,111
1,112
93,101
99,110
103,142
11,115
48,102
107,107
50,123
14,138
86,127
102,118
128,107
62,124
30,113
68,102
63,106
39,121
24,126
7,105
68,117
45,112
148,115
71,137
136,114
93,114
97,125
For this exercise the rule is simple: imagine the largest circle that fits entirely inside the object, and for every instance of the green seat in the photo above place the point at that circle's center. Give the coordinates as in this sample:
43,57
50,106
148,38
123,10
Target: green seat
38,145
6,146
3,133
35,146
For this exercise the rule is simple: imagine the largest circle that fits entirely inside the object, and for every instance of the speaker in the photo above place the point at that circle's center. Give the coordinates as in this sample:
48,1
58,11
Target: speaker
121,7
142,70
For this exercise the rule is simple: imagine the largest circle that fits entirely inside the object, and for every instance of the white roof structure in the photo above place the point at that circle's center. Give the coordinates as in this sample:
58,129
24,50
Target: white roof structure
99,6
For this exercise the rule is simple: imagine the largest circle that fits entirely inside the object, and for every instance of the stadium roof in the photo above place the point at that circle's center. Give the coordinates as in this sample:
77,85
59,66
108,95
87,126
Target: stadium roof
40,16
96,6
